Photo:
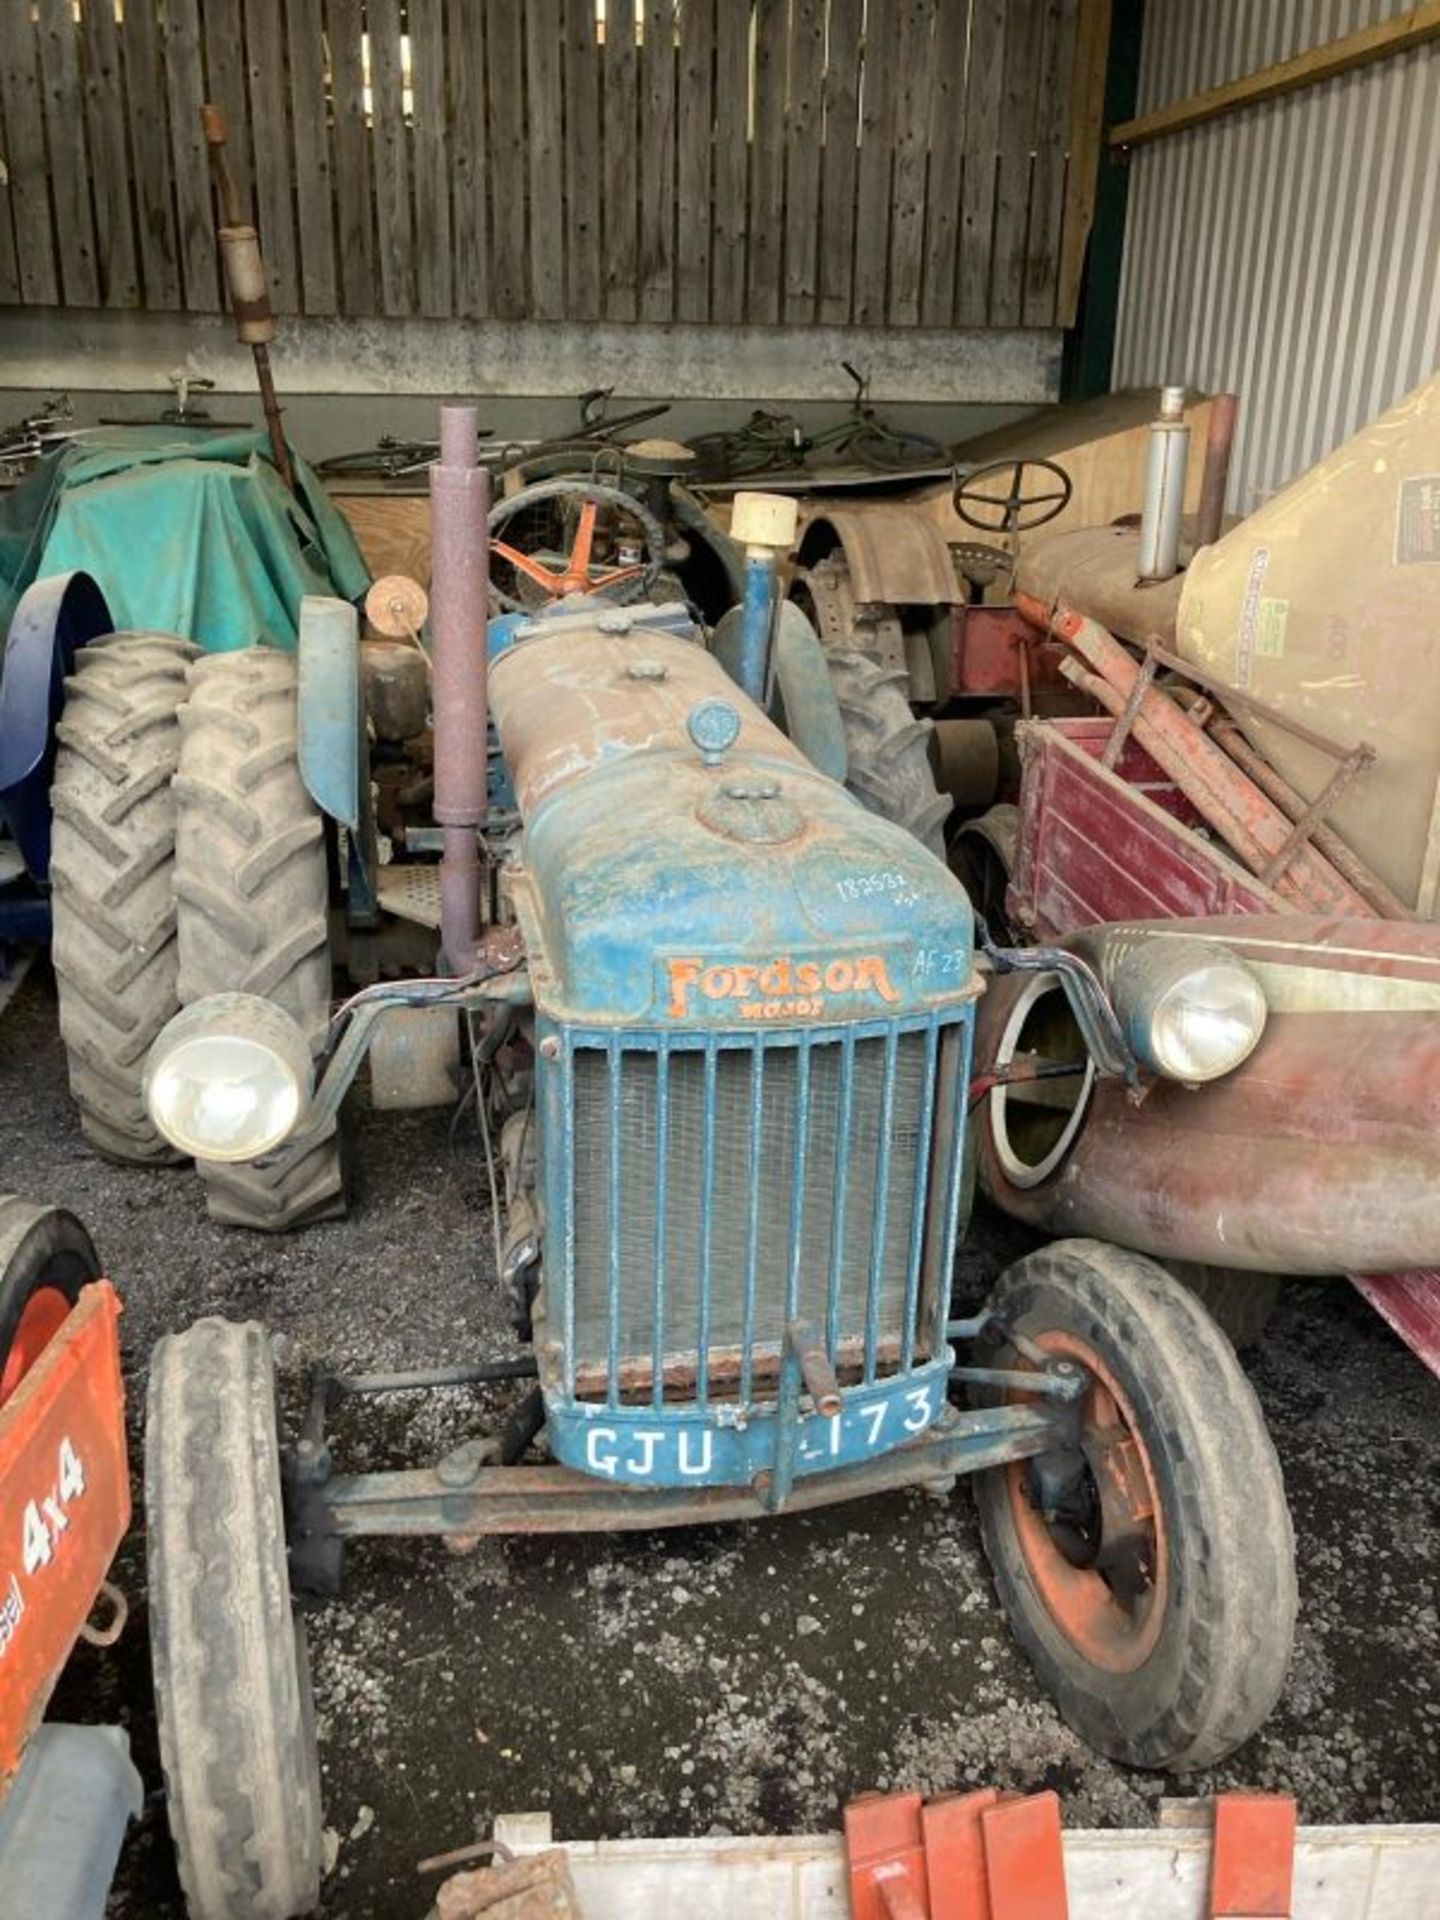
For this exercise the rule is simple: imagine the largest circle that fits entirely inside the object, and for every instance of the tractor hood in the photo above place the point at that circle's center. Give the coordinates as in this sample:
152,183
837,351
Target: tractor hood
658,890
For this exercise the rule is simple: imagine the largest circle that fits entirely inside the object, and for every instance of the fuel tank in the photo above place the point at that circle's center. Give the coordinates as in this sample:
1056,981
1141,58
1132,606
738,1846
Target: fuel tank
658,886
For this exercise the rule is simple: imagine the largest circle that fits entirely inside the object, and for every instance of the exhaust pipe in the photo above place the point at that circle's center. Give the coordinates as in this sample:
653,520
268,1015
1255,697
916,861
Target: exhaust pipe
1165,488
459,612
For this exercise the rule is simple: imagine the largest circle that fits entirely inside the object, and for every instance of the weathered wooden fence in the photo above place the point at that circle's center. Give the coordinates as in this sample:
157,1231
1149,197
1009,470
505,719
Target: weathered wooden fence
846,162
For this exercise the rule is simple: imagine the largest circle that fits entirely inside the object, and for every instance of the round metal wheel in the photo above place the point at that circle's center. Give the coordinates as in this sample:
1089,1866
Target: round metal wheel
232,1677
1147,1568
579,571
1019,508
46,1257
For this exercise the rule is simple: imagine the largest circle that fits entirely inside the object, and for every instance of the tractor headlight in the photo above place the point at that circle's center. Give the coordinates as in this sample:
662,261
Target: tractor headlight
1191,1011
229,1078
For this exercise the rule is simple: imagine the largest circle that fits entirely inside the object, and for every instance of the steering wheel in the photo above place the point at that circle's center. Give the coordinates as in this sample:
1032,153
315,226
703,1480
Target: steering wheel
579,574
1016,509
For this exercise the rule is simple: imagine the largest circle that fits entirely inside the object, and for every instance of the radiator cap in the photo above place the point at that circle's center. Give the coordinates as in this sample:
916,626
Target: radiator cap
752,807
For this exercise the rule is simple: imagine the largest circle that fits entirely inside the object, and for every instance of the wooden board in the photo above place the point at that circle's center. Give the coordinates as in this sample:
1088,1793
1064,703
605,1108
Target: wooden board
189,156
838,171
836,162
877,155
393,531
274,160
354,206
582,161
803,158
69,155
621,208
390,153
314,183
546,155
657,144
730,226
430,138
947,149
767,163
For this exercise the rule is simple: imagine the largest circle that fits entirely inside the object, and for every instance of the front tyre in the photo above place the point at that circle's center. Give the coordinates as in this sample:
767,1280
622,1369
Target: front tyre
1155,1595
232,1681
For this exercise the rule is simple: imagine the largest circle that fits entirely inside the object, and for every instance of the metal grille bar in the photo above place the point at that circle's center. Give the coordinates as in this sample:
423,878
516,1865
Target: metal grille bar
713,1187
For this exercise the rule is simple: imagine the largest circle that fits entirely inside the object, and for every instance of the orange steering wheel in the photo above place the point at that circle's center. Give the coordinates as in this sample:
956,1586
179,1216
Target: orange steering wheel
579,573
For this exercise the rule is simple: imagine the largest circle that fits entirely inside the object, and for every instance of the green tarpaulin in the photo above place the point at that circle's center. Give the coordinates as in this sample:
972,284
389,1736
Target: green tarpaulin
186,532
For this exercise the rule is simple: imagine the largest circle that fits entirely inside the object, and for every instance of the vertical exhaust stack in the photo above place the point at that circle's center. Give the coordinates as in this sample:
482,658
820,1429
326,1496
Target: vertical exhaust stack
1165,488
1219,445
459,611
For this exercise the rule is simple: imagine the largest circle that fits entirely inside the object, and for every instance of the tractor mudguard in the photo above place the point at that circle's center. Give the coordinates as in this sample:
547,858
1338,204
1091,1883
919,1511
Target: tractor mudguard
810,714
330,716
896,555
54,619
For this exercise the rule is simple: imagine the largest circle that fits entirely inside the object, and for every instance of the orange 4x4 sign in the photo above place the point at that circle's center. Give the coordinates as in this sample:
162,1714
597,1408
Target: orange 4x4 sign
64,1507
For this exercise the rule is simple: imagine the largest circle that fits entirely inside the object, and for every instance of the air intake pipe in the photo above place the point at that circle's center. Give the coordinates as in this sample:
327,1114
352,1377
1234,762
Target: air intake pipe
459,611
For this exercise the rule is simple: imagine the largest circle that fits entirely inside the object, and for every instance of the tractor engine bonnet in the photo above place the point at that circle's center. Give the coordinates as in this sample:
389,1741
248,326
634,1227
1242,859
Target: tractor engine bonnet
656,889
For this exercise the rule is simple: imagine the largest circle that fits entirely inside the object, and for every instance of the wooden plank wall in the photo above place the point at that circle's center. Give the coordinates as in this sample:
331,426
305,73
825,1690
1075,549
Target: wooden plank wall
900,163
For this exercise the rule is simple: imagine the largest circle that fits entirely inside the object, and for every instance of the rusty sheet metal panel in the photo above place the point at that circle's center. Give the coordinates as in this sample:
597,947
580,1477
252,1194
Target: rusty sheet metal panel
1095,570
1320,1156
1288,251
1325,605
897,556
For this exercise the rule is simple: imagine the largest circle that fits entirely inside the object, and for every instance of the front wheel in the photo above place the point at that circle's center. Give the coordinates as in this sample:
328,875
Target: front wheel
1149,1574
232,1681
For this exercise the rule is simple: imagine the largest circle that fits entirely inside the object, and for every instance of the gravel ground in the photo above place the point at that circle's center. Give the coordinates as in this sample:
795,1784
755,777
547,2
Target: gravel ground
740,1680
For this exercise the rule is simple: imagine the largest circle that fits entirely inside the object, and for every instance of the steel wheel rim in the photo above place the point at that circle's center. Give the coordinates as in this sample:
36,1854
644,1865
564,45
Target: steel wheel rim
1079,1601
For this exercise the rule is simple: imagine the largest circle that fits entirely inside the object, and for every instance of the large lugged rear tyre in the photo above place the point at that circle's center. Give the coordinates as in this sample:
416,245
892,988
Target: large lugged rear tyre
887,749
1157,1599
112,868
252,896
232,1682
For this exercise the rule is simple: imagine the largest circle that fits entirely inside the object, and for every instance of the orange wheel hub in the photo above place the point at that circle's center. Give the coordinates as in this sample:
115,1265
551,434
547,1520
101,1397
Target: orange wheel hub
1102,1577
40,1320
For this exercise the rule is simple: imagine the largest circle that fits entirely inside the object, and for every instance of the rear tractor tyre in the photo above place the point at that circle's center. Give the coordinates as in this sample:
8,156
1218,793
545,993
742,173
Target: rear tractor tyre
46,1257
1240,1303
1155,1593
252,898
112,878
887,749
232,1679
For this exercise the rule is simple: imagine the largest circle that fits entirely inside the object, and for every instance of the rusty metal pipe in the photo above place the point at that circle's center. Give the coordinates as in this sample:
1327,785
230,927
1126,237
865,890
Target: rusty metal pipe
1324,838
1219,444
459,611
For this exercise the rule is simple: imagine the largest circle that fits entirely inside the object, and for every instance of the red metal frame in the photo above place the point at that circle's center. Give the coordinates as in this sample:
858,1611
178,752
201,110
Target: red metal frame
64,1507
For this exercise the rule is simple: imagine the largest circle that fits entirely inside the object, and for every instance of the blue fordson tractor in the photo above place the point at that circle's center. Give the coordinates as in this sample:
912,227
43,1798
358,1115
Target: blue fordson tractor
728,1014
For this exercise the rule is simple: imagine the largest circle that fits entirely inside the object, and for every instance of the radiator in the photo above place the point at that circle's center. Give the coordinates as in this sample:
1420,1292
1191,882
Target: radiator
720,1185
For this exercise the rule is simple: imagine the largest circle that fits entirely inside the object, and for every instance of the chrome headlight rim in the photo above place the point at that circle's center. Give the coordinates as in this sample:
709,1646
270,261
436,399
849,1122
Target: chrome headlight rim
1155,976
229,1079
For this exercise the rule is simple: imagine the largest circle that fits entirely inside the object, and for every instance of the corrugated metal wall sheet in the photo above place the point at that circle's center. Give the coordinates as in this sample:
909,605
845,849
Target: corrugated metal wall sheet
1290,251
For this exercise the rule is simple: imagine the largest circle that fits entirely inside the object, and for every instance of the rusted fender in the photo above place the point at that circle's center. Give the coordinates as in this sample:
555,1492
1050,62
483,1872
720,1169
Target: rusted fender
897,556
1320,1155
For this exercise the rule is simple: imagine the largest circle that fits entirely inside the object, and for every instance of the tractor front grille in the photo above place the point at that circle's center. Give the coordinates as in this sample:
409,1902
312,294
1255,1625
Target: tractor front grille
719,1185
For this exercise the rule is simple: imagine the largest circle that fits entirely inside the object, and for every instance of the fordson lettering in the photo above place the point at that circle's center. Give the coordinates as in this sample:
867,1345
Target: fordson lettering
778,989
